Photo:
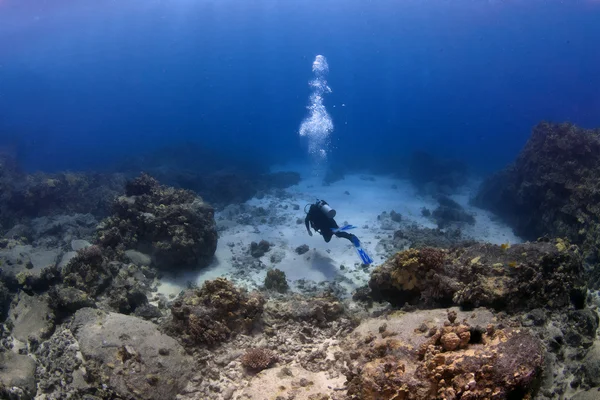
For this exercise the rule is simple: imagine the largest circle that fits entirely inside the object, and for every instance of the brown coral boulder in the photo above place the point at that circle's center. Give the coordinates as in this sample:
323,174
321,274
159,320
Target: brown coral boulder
498,364
258,359
522,277
173,225
212,314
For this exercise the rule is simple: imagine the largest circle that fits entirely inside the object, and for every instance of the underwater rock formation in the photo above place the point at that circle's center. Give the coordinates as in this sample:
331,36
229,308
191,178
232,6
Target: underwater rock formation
450,361
512,278
434,175
450,213
416,237
30,196
90,278
175,226
214,313
17,376
220,178
129,355
275,280
259,249
552,187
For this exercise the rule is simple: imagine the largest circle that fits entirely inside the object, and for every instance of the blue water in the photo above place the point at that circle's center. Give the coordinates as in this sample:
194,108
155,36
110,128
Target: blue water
84,83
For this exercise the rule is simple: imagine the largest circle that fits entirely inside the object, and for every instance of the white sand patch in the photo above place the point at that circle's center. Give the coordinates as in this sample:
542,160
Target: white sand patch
289,382
358,200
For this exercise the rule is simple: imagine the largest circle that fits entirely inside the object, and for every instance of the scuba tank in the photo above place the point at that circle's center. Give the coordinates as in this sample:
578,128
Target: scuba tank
325,209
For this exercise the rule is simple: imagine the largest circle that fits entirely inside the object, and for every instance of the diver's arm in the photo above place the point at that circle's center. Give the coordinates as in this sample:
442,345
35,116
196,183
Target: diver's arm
307,223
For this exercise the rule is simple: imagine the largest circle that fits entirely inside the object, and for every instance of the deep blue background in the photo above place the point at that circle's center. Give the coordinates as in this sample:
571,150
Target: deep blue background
84,83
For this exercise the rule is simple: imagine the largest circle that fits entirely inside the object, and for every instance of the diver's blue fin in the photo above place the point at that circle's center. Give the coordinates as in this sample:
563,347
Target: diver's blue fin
343,228
364,256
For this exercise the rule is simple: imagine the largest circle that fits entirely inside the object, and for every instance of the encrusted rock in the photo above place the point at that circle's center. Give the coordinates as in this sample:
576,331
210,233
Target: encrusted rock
124,353
552,188
519,277
259,249
275,280
174,225
504,364
213,313
17,376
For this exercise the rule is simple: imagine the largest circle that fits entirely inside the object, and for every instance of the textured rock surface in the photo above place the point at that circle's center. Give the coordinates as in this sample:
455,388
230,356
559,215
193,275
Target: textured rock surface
17,376
61,371
132,356
214,313
451,360
41,194
32,318
521,277
174,226
552,187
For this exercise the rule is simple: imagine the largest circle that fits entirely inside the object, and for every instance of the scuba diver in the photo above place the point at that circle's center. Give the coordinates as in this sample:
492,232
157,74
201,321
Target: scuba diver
320,217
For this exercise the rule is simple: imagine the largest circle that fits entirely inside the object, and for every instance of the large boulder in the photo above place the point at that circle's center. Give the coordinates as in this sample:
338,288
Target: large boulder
419,356
174,226
552,188
32,319
131,356
512,278
17,376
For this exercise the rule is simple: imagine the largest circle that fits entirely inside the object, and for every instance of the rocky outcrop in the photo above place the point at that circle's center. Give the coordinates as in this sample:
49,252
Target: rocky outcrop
405,359
174,226
436,176
131,356
552,187
214,313
27,196
512,278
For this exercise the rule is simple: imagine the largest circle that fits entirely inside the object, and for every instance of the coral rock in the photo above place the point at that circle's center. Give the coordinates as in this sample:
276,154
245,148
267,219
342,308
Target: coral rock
258,359
175,226
522,277
552,188
450,341
214,313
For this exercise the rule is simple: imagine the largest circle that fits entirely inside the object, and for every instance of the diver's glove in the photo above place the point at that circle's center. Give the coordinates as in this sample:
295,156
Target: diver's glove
309,232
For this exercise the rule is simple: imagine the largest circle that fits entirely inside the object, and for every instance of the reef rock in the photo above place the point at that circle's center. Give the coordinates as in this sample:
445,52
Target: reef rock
90,277
434,175
28,266
32,319
214,313
41,194
450,213
131,355
174,226
552,187
412,358
17,376
545,274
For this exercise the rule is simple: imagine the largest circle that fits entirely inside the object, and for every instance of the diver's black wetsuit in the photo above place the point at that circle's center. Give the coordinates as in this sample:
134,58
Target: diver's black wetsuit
323,224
